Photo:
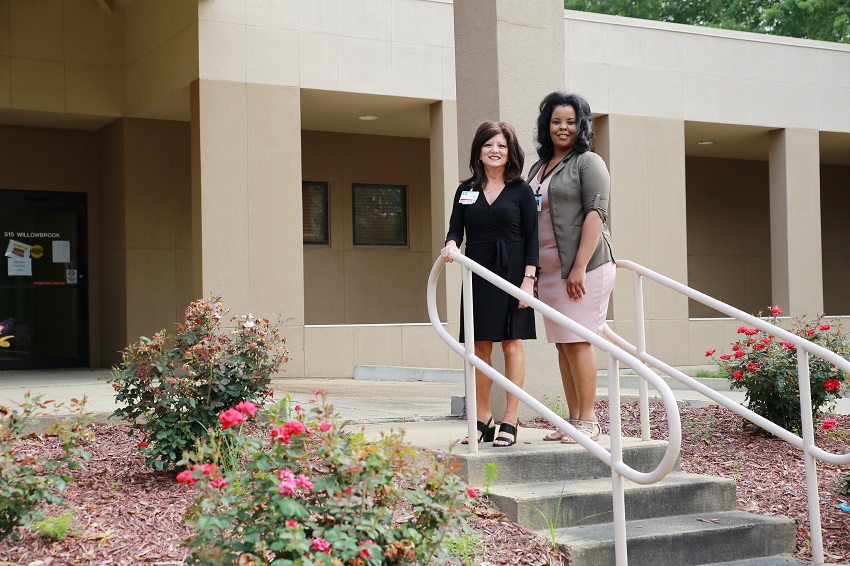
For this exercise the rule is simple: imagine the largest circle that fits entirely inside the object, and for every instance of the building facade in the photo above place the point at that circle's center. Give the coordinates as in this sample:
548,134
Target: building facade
298,157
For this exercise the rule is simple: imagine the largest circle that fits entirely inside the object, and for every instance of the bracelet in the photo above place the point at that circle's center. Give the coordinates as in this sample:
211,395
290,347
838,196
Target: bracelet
530,276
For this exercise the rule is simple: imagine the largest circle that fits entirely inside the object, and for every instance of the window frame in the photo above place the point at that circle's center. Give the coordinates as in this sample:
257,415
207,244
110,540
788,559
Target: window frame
405,236
325,203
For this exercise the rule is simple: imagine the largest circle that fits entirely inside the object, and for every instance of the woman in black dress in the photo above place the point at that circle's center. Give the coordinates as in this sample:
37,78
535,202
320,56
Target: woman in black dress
497,210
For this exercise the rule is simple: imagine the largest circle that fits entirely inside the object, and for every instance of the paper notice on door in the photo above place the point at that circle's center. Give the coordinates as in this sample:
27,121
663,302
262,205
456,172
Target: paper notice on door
18,249
19,266
61,251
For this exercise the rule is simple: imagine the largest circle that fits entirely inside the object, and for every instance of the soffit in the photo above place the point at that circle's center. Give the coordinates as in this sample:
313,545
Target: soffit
752,143
329,111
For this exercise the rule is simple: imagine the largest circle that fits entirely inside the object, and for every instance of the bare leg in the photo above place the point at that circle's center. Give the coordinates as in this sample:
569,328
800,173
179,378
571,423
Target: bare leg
515,371
570,394
582,361
483,384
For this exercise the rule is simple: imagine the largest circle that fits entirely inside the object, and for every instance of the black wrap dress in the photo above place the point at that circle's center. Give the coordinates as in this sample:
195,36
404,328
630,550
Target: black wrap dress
503,238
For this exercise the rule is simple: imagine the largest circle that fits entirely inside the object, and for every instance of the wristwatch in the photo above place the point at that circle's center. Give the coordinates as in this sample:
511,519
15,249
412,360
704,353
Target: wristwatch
532,277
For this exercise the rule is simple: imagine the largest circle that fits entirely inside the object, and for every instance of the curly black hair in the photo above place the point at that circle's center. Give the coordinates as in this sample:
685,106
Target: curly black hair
584,122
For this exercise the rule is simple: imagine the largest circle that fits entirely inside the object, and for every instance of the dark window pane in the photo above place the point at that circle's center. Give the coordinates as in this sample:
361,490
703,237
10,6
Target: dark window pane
380,215
314,211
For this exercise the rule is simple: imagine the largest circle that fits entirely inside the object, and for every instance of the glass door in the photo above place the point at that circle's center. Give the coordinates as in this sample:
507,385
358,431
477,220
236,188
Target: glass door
43,280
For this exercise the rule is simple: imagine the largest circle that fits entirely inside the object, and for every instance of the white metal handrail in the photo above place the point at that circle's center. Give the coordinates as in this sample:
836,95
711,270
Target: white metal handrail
614,458
804,347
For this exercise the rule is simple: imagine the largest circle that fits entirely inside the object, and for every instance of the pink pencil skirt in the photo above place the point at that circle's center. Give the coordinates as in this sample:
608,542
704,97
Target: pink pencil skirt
589,311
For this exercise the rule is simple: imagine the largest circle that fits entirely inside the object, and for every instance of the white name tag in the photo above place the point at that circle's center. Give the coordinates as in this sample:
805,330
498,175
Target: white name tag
539,200
468,197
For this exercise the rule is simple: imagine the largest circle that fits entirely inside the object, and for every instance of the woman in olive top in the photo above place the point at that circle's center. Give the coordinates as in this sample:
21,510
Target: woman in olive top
577,270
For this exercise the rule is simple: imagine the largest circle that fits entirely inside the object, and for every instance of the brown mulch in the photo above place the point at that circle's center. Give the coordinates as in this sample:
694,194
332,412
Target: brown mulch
128,514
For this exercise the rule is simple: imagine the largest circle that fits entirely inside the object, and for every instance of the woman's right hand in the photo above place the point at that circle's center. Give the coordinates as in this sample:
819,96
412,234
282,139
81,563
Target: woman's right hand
446,253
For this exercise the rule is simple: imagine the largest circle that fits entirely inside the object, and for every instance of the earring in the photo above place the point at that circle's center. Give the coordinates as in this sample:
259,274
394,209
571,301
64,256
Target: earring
480,162
509,164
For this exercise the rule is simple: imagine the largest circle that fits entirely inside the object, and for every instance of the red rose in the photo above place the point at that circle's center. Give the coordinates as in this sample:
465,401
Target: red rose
471,492
752,366
824,326
247,407
709,352
739,354
142,444
738,375
831,384
725,357
828,424
231,417
775,310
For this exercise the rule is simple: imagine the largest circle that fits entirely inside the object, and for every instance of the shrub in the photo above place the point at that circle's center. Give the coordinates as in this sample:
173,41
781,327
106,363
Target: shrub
767,368
305,494
174,386
27,481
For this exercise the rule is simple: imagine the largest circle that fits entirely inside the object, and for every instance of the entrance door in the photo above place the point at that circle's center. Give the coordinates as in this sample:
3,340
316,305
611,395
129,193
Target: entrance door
43,280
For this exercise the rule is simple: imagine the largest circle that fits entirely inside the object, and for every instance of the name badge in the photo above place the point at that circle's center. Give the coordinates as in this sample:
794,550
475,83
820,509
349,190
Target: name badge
539,200
468,197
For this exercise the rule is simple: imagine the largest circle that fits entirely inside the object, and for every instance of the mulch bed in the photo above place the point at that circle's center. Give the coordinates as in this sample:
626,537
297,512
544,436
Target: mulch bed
128,514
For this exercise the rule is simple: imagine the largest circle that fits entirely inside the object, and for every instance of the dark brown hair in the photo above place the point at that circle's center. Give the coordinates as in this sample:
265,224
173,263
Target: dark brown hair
516,157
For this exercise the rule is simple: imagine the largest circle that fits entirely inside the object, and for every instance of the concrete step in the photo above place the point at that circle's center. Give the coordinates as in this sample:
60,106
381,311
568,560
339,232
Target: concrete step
536,461
682,540
571,503
780,560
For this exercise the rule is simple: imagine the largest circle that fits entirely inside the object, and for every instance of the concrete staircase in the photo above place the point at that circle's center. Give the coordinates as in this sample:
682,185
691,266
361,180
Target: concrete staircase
686,519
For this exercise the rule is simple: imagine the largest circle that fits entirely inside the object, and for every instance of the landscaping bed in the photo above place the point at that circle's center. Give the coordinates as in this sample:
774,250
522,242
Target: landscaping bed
126,513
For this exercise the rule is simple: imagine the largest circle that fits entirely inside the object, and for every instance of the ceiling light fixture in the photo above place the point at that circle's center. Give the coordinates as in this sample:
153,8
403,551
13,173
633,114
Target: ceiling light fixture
705,142
367,118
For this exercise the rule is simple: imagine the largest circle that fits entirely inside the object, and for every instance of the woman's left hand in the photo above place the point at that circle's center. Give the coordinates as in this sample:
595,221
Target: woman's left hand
527,285
575,283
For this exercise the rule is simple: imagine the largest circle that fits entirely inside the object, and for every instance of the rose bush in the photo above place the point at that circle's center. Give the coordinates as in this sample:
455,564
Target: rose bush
174,387
306,494
767,368
26,481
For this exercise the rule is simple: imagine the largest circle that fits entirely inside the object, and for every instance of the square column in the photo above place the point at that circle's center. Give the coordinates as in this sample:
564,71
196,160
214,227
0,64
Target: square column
646,158
795,235
246,202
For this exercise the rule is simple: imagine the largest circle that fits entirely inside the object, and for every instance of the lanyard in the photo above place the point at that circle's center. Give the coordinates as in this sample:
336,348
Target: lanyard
545,174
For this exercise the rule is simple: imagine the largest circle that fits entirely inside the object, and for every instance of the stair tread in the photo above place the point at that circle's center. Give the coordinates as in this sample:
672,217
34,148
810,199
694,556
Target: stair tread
602,533
779,560
539,490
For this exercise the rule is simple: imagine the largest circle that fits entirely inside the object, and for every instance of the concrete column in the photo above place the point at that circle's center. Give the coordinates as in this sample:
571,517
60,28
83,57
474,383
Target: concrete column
246,202
646,158
444,181
795,235
508,56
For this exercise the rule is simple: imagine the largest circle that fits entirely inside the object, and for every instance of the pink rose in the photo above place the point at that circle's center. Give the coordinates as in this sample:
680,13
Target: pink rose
304,481
247,407
366,552
280,433
320,545
294,427
775,310
231,417
809,332
292,523
218,483
325,427
828,424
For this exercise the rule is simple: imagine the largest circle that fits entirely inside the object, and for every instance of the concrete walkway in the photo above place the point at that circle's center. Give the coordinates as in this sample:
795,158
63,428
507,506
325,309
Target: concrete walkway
422,408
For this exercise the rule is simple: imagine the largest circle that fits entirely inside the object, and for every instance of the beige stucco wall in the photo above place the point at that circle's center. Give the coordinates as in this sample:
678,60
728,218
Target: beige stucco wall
351,284
656,69
61,57
146,234
728,225
397,47
44,159
835,233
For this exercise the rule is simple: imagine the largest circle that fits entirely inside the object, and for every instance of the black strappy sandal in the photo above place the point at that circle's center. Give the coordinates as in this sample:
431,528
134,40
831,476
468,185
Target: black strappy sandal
486,432
507,428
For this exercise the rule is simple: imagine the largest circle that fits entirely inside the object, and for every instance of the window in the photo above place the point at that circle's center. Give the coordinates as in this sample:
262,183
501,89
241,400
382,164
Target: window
314,202
380,215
